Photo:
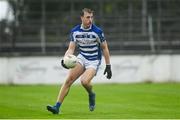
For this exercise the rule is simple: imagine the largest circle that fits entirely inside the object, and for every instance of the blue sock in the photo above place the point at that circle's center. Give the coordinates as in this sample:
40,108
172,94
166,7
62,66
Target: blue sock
58,104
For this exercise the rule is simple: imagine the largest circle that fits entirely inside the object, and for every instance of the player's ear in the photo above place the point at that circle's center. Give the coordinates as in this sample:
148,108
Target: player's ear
81,18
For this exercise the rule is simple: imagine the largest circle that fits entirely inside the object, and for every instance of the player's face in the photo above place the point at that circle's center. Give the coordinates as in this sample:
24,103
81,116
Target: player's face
87,19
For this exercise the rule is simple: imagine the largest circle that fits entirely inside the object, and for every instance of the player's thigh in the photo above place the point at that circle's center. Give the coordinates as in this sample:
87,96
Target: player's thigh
88,75
75,72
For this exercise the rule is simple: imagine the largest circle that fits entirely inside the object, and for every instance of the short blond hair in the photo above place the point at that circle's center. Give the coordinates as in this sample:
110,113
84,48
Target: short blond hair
86,10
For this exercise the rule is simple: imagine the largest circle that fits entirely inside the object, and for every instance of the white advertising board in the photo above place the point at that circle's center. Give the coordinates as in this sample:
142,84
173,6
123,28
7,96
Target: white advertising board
125,69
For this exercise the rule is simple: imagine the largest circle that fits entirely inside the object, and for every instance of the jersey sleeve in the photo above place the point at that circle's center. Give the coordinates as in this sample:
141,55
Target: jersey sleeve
73,33
101,36
71,36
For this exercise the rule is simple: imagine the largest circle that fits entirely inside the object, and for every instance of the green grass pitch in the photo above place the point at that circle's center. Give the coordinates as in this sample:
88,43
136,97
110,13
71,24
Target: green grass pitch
114,101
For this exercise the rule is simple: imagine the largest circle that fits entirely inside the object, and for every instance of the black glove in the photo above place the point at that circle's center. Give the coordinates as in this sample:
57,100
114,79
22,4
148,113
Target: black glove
108,71
62,63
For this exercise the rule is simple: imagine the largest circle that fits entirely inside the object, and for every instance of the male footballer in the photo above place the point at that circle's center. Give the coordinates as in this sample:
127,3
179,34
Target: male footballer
92,44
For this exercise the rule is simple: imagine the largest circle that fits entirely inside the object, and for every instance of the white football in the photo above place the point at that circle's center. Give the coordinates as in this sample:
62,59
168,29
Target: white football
70,61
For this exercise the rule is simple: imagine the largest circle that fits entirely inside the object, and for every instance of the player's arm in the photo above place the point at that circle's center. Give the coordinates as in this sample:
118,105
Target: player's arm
71,48
106,54
69,51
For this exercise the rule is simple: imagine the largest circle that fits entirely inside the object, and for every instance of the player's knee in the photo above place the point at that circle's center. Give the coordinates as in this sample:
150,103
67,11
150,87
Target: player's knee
84,82
69,81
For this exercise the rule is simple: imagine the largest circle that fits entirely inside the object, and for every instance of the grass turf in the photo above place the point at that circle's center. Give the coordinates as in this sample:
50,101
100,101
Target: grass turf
114,101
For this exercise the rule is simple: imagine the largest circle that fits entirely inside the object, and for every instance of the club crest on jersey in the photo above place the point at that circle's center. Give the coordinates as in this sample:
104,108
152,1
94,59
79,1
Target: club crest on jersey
85,35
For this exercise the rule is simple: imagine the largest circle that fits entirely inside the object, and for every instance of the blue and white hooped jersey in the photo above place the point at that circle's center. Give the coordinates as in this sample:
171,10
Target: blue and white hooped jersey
88,41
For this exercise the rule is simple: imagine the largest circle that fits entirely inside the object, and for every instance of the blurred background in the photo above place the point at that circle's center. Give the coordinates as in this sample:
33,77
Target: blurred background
144,42
41,27
143,38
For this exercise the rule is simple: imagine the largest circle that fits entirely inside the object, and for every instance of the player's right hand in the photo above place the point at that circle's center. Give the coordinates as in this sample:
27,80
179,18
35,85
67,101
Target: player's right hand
62,63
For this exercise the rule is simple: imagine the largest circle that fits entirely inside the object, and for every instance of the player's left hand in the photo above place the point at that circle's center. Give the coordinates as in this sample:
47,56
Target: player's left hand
108,71
62,63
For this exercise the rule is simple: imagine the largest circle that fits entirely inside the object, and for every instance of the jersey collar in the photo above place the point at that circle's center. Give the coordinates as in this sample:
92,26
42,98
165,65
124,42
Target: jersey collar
84,28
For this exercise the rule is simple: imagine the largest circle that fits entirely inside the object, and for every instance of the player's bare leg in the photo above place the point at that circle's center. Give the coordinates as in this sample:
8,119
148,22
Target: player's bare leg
73,75
86,78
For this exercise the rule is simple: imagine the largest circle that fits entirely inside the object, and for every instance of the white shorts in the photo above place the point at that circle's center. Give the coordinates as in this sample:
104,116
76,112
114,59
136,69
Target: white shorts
88,63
